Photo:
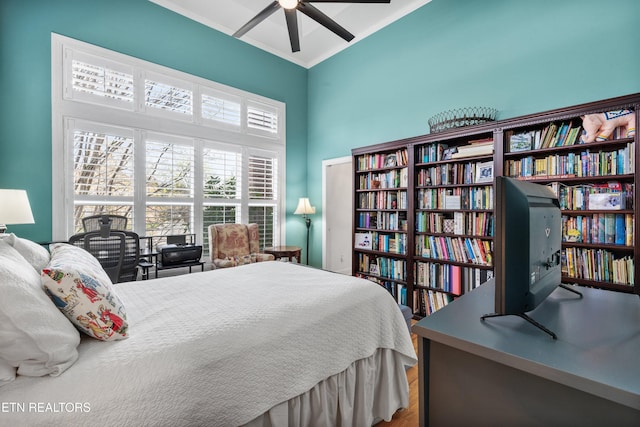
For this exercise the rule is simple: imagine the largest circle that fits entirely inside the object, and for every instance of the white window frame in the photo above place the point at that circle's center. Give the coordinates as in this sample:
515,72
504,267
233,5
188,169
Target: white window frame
66,108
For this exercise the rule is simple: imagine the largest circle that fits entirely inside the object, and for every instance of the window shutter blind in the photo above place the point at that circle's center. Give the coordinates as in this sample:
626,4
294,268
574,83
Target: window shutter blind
262,178
221,174
262,118
102,81
169,170
265,217
103,164
262,196
167,97
221,110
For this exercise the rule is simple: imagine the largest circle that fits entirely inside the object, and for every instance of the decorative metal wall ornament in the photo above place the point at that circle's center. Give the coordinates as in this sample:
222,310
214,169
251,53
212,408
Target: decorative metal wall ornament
461,117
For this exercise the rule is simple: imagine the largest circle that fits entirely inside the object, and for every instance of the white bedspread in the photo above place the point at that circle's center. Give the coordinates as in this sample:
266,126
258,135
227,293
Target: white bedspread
215,348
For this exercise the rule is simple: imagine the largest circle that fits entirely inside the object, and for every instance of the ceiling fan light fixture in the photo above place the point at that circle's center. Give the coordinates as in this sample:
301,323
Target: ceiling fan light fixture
288,4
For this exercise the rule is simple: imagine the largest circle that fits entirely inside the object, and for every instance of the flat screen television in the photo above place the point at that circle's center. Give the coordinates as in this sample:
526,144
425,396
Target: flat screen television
527,247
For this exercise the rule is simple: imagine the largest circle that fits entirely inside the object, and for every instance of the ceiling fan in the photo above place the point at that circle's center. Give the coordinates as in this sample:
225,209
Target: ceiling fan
304,6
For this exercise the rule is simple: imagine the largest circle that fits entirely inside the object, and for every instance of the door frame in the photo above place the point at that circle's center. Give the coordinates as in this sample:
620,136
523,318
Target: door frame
325,165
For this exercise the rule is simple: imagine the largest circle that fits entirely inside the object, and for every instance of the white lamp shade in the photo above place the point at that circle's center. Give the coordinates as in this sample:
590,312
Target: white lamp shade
304,207
15,207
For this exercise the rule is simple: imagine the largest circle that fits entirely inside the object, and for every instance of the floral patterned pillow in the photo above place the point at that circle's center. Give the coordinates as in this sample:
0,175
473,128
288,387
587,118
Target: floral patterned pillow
80,288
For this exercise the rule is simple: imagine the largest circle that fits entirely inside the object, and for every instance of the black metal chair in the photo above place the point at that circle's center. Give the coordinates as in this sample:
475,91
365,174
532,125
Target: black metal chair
109,250
96,222
118,251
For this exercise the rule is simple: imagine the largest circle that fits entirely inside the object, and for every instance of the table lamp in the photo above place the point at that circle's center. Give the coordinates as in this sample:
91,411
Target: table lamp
304,208
14,208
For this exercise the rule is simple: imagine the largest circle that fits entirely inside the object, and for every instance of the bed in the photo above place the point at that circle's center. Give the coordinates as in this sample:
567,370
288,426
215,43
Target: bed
262,344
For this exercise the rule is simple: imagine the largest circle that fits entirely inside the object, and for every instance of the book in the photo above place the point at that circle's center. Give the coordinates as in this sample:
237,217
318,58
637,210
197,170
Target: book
609,229
363,241
629,238
478,148
520,142
620,229
606,201
452,202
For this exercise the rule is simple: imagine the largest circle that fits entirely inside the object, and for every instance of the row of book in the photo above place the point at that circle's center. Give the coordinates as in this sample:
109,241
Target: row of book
612,195
390,268
463,223
454,174
392,221
599,228
450,278
456,249
598,265
384,242
382,160
583,164
553,135
427,302
383,200
466,197
393,178
431,153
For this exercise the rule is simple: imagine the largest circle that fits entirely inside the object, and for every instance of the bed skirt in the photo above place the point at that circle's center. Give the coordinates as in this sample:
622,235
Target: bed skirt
368,391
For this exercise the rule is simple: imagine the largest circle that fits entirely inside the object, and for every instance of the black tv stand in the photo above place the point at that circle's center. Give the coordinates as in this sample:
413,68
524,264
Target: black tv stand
570,289
529,319
525,317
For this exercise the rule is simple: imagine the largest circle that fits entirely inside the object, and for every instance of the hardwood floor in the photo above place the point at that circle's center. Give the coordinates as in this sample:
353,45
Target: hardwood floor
408,417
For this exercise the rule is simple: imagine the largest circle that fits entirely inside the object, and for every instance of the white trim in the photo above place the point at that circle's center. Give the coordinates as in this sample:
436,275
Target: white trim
325,165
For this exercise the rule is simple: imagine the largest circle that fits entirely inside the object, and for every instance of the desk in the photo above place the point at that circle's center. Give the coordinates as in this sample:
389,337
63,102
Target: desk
149,259
505,371
284,252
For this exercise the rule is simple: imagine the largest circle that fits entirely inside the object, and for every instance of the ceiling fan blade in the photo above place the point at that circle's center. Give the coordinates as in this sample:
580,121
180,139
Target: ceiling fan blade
324,20
266,12
292,26
347,1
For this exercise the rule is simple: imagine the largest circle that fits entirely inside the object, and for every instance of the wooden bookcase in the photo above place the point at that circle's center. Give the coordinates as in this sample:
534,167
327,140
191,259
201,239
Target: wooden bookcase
453,217
446,249
381,238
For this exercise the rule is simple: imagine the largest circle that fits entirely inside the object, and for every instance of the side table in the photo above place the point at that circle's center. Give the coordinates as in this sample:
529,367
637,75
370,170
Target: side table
284,252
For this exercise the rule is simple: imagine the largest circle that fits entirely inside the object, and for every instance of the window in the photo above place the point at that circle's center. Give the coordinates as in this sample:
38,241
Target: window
212,158
222,109
263,195
102,171
262,119
163,94
102,82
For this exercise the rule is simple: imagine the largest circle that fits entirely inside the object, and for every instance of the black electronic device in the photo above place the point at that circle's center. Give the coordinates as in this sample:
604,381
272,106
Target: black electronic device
172,254
527,247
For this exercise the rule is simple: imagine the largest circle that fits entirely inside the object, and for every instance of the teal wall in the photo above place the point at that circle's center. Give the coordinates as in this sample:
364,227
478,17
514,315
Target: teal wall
519,57
141,29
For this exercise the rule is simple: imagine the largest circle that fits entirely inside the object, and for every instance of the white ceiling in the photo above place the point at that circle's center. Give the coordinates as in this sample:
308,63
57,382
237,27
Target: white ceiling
316,42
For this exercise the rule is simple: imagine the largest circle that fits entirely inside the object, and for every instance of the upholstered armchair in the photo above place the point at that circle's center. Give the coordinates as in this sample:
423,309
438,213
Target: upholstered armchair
231,245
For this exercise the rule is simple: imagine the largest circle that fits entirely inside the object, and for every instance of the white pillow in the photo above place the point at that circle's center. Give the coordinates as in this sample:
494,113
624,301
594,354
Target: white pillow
34,336
80,288
35,254
7,372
